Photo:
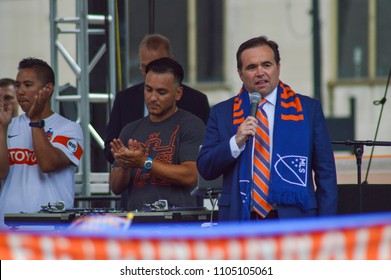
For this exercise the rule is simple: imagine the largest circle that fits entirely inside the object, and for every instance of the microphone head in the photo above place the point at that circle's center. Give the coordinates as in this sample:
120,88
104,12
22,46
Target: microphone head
255,97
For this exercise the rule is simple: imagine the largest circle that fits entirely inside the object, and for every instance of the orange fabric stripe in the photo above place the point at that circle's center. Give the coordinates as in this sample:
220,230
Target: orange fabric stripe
263,120
237,114
288,92
261,184
259,164
264,203
288,104
237,104
263,135
298,104
264,170
238,121
261,201
263,152
292,117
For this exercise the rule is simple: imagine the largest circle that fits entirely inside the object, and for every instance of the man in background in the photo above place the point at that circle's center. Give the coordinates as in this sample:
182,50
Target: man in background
8,86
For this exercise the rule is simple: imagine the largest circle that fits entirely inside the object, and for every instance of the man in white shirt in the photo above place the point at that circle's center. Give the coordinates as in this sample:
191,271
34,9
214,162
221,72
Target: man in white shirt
39,150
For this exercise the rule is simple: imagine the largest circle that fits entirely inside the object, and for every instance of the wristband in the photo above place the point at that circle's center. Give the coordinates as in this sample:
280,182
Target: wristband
39,124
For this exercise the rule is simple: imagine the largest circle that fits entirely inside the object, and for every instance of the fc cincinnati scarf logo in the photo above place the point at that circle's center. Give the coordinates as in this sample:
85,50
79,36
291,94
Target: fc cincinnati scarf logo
292,169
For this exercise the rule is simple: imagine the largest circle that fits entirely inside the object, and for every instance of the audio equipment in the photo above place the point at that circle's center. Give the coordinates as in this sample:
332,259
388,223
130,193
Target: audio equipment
64,218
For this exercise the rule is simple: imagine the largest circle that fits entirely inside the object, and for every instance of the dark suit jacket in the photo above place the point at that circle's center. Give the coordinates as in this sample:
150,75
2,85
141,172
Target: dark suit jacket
129,106
215,159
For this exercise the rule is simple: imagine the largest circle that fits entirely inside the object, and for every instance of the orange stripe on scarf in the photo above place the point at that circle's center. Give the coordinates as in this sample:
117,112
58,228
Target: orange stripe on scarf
292,117
288,93
238,103
238,112
296,104
238,121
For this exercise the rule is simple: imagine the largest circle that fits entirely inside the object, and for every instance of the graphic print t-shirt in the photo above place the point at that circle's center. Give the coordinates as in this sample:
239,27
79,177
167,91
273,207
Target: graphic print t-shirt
174,140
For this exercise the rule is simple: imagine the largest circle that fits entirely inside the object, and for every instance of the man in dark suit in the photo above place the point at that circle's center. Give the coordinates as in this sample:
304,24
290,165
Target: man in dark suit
299,150
129,104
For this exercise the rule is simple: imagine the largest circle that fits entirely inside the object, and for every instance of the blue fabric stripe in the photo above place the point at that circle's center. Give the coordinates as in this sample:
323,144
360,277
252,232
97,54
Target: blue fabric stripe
260,210
264,162
260,193
262,142
263,127
261,176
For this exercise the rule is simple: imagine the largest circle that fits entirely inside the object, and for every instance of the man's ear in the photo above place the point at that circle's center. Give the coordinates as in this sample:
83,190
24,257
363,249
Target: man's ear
179,93
49,87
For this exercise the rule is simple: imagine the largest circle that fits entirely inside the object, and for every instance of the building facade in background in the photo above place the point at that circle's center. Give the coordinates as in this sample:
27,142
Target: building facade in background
354,35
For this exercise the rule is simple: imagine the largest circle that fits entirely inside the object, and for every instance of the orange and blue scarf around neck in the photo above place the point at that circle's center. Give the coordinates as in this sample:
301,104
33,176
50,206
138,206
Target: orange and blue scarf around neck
291,150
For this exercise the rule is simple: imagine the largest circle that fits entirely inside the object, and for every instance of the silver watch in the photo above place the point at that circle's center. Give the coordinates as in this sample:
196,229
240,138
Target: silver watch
147,165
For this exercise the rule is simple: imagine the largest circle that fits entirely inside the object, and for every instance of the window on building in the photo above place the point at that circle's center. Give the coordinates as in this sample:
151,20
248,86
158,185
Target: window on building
364,41
209,41
202,61
383,38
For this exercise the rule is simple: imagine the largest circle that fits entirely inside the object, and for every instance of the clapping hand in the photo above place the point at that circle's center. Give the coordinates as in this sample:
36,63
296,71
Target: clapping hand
131,156
5,111
40,100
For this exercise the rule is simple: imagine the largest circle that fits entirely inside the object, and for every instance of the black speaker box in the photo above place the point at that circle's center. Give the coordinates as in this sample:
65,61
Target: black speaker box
371,198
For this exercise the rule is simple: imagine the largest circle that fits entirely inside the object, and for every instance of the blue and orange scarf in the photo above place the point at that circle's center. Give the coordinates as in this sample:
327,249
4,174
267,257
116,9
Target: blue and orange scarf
291,150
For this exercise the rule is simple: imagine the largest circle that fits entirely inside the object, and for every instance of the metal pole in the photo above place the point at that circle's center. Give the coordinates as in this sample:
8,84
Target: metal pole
54,54
112,48
83,91
316,51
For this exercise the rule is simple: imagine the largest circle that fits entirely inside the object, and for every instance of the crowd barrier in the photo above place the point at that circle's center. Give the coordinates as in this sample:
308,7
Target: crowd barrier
360,237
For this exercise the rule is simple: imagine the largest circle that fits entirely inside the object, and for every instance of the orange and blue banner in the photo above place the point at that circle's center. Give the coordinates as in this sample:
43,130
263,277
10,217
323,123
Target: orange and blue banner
360,237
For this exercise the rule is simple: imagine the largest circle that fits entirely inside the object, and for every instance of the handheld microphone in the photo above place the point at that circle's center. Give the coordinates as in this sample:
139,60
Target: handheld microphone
254,99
